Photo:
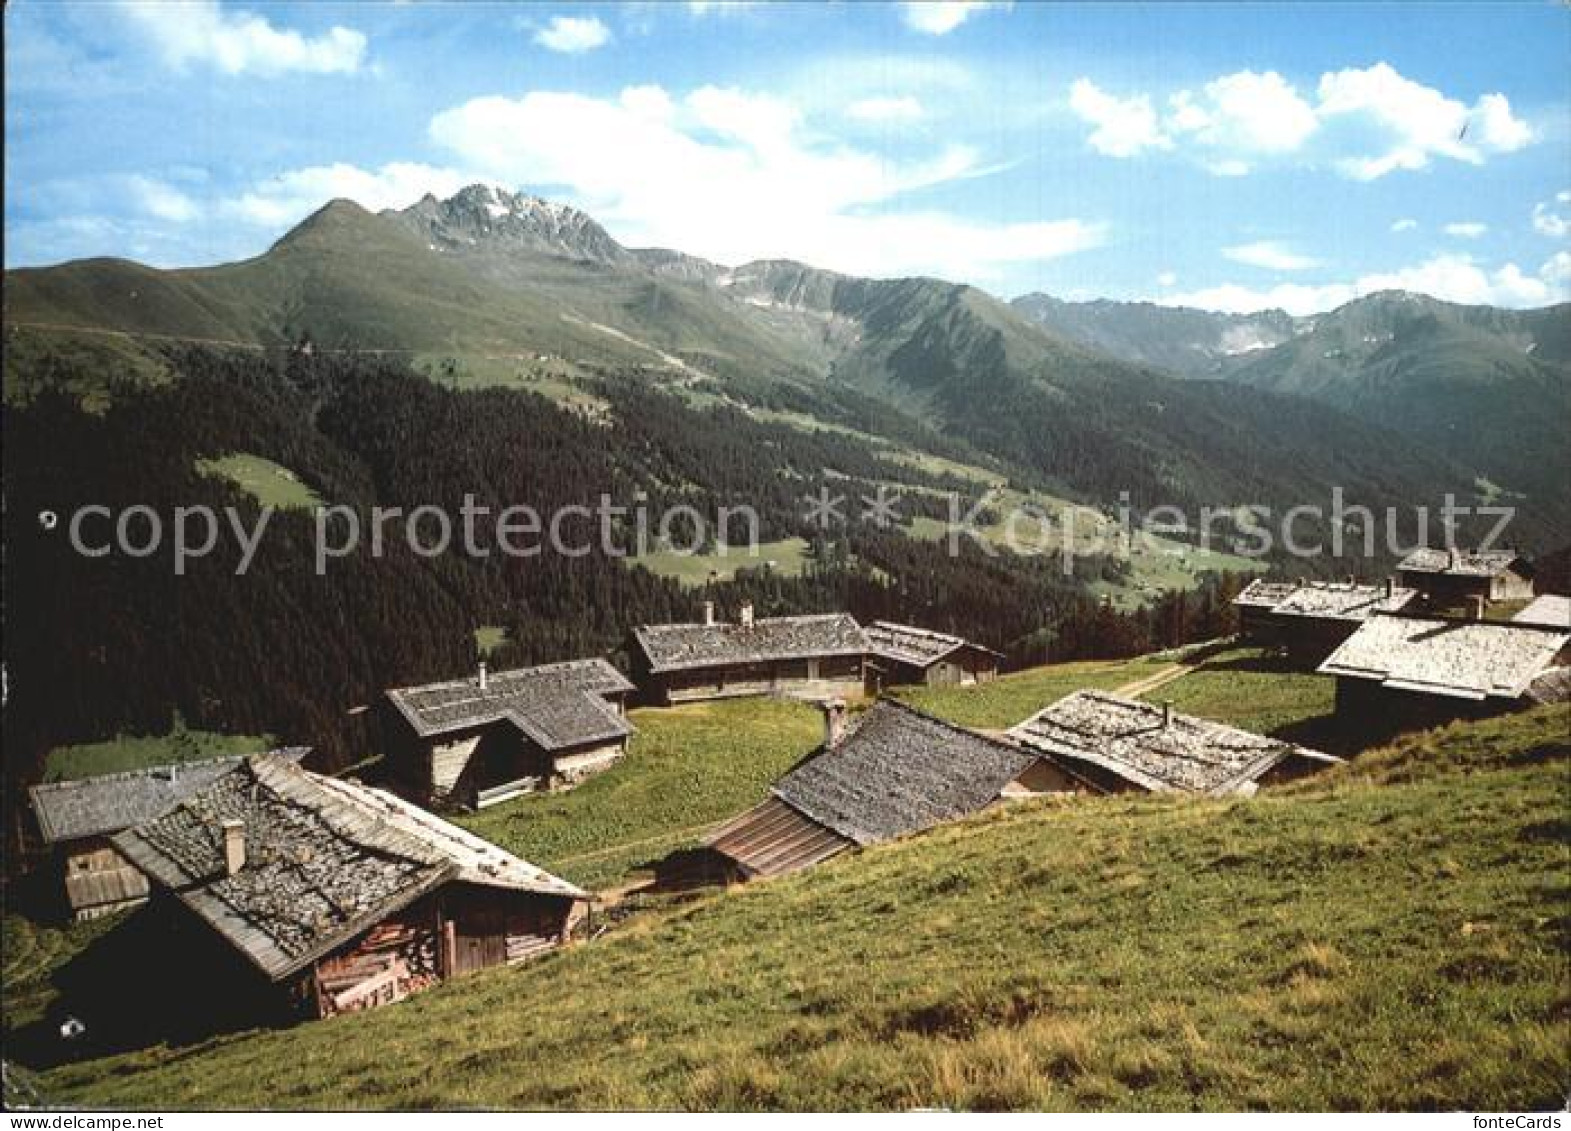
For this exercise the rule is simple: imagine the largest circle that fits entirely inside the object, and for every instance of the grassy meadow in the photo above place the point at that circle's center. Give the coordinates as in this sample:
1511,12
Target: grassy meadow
270,484
686,768
1390,934
132,752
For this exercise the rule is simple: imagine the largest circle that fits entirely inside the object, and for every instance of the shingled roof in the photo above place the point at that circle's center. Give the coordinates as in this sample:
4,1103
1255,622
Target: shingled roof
1332,601
556,705
921,647
1262,594
1465,659
678,647
325,860
1132,740
107,803
898,771
1460,563
1548,609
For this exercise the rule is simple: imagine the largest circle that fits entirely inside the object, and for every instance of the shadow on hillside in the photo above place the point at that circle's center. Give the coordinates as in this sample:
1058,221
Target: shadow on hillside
127,990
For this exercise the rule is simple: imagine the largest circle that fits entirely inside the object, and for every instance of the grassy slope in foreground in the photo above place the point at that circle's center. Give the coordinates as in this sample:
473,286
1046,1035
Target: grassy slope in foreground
1389,935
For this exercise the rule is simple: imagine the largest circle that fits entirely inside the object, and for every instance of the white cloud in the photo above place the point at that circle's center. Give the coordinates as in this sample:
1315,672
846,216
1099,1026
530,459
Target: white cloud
1167,279
1453,278
237,42
1269,255
1366,122
1415,122
885,109
940,17
573,35
1466,229
734,176
163,201
1246,113
1405,224
1557,271
1124,126
293,195
1549,220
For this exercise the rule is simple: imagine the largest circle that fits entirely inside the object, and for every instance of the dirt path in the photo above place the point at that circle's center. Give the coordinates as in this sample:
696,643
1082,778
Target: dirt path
1147,684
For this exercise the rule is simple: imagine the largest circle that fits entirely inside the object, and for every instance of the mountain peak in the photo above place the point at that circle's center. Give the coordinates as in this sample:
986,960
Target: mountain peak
482,217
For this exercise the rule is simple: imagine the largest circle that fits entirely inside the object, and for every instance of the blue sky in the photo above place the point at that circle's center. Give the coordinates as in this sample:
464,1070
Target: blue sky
1227,156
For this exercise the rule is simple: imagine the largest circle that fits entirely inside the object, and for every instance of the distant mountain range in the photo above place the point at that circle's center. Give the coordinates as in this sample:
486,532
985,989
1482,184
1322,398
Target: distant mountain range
1487,386
1078,396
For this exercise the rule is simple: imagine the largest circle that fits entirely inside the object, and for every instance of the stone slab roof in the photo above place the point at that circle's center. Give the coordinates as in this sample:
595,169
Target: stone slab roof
920,647
898,771
1548,609
1464,563
1262,594
1333,601
1130,739
678,647
107,803
556,705
1465,659
325,860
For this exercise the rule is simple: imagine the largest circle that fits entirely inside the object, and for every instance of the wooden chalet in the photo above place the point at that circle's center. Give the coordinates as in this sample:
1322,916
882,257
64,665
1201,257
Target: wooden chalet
903,654
474,742
287,894
1421,670
1104,743
819,656
892,772
1453,578
77,818
1308,620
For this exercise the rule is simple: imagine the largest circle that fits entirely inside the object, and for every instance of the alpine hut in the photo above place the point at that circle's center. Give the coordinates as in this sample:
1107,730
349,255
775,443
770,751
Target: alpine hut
892,772
1451,578
287,894
904,654
1424,670
474,742
76,819
1108,744
818,656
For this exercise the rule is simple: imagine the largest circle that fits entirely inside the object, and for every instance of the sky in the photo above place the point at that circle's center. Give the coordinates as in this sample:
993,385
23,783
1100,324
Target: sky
1228,156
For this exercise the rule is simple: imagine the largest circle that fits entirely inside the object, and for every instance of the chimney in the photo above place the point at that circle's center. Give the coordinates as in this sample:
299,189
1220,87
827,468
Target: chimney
745,614
1167,713
1390,588
482,675
1453,558
1352,580
234,846
1475,607
834,721
709,614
